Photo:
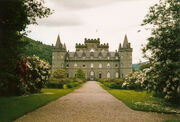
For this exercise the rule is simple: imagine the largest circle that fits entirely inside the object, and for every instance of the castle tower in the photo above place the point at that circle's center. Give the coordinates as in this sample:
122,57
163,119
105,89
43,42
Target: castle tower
58,55
125,54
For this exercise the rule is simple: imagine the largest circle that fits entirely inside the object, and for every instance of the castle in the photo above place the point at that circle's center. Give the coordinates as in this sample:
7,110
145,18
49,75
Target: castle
94,59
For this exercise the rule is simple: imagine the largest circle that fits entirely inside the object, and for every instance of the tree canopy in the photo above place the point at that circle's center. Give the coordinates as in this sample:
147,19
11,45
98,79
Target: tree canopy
164,45
15,15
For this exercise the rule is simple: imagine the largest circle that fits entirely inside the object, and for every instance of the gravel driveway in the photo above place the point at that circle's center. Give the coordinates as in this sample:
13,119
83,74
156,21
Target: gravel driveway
90,103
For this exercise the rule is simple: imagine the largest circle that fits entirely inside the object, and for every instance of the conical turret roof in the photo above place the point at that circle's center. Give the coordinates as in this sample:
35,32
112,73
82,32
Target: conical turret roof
125,43
58,42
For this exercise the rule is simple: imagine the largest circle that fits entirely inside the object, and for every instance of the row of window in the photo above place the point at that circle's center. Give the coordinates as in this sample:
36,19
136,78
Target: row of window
98,57
108,75
92,65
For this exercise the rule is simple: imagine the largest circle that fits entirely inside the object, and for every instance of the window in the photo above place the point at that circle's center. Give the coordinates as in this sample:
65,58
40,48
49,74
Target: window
100,65
116,65
116,57
108,65
67,75
83,65
122,76
117,75
92,65
108,75
108,57
75,65
100,75
91,73
67,65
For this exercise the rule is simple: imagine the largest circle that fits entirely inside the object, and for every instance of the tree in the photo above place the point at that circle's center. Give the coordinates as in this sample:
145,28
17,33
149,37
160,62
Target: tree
15,15
144,66
60,73
164,45
80,74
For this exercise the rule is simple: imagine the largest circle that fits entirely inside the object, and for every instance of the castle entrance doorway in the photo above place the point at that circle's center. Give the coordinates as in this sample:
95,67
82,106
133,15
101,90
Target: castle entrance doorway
92,75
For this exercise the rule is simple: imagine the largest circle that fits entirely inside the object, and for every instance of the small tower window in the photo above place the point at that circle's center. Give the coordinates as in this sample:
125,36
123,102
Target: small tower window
108,65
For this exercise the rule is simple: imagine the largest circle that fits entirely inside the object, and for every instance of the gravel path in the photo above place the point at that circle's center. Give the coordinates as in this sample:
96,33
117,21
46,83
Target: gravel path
90,103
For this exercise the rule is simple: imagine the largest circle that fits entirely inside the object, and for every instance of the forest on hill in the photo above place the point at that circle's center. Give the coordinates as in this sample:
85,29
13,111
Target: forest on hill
39,49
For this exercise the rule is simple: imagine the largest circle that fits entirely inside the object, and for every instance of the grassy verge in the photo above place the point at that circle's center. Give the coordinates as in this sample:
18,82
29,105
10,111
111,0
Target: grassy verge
12,108
141,100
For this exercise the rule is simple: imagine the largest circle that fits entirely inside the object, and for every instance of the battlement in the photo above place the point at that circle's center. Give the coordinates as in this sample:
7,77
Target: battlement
78,45
92,40
103,45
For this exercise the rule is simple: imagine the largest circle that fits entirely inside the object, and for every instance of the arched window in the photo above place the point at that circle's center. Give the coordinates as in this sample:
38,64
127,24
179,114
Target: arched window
92,65
108,75
100,65
91,73
75,65
117,75
100,75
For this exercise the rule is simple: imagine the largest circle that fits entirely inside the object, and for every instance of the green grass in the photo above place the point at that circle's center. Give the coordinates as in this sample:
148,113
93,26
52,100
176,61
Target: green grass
141,100
12,108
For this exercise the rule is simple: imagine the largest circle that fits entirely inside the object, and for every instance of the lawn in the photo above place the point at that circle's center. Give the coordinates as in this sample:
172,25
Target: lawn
143,101
12,108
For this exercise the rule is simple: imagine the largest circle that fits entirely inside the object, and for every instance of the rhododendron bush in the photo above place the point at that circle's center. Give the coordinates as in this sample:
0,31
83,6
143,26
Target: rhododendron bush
33,74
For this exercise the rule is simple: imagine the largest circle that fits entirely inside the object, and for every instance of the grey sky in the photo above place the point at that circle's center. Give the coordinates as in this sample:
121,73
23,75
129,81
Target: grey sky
75,20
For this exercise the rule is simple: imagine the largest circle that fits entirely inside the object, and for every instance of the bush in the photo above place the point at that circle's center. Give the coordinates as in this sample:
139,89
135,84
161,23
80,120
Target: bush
60,73
63,83
112,83
132,81
80,74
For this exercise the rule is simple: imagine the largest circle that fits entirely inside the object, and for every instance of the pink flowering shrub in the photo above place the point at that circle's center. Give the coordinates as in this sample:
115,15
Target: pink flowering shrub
33,74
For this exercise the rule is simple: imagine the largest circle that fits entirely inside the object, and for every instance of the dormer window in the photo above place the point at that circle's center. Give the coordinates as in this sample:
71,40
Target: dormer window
117,57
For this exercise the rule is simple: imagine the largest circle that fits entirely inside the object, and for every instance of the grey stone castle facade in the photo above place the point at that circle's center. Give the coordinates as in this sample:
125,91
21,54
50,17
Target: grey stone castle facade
94,58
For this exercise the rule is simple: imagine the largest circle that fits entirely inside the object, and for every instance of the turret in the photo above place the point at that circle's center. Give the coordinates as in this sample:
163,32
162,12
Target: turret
58,55
125,53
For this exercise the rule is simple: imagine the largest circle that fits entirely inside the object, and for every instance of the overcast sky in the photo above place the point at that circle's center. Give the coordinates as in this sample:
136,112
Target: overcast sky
108,20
